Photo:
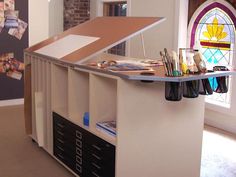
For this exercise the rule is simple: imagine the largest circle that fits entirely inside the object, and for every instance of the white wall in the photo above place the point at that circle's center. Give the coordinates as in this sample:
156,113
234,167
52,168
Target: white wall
38,21
45,19
95,8
158,37
56,17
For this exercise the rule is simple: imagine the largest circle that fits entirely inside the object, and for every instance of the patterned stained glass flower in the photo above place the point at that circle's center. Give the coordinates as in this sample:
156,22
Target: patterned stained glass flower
215,35
215,31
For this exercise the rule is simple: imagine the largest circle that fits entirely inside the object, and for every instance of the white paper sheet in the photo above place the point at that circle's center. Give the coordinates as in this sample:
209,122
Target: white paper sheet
66,45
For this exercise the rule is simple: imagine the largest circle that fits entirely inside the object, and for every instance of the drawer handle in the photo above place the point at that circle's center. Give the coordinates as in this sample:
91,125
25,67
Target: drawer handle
60,156
61,141
62,134
60,148
94,155
96,147
78,134
79,160
78,167
78,152
95,174
79,143
98,167
60,125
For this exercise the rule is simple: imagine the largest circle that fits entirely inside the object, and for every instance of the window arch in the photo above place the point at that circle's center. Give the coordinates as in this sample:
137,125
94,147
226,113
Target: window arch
212,30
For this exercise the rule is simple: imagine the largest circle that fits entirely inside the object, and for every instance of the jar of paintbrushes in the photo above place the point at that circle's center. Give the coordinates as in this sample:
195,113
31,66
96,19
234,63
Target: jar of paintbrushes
173,90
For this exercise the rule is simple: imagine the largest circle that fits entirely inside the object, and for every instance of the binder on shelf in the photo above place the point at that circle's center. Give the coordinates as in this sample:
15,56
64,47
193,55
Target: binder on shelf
108,127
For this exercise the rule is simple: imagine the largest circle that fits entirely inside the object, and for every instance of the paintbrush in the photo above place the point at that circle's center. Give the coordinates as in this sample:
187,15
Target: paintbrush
176,67
169,61
165,63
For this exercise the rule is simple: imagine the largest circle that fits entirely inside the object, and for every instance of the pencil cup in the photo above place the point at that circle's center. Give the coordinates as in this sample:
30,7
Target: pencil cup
191,89
222,84
205,87
173,91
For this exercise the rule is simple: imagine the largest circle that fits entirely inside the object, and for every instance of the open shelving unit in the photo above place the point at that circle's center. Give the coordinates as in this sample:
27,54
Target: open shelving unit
75,92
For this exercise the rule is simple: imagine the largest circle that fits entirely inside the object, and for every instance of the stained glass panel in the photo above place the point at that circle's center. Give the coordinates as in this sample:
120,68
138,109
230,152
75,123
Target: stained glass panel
216,37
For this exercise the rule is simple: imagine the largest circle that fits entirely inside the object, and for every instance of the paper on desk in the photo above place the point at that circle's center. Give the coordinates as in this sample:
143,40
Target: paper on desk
66,45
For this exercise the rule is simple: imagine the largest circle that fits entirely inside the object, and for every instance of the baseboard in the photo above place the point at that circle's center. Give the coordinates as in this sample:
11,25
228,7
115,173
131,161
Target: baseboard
221,121
12,102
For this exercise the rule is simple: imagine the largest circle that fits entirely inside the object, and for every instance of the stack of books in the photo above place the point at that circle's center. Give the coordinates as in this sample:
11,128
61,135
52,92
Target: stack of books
108,127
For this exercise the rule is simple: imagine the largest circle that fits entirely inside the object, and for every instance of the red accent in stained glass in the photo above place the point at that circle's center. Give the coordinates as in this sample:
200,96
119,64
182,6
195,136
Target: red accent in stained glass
216,45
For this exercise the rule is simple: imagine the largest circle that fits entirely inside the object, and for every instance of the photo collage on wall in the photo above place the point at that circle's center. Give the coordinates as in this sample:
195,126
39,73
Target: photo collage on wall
10,66
10,21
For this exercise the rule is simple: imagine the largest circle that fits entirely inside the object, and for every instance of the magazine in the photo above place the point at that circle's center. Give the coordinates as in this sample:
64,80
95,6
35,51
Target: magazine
6,56
18,32
1,6
11,24
108,127
10,66
11,14
2,19
9,4
15,75
11,19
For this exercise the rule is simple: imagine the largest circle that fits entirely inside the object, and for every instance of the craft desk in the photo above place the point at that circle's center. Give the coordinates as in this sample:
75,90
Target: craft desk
155,137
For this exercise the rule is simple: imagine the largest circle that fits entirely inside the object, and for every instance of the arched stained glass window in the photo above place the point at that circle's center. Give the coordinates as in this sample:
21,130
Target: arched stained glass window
213,31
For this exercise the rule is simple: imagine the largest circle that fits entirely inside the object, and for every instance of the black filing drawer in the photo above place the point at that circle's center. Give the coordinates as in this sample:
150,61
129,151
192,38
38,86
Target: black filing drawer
83,152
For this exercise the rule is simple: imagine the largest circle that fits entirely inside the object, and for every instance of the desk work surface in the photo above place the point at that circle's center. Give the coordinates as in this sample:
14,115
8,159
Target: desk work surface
157,70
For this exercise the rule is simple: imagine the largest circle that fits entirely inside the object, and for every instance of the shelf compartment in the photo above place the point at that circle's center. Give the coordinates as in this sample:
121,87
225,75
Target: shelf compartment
102,103
60,89
78,87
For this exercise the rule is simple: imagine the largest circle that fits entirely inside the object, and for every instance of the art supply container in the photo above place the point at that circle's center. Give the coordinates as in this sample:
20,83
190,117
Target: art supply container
187,61
222,84
86,119
173,91
191,89
205,87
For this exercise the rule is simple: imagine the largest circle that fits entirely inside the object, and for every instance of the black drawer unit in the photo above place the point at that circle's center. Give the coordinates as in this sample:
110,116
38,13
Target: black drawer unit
83,152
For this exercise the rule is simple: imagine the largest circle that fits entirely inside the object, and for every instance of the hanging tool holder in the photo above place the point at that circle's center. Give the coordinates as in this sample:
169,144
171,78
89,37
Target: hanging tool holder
220,84
190,62
173,91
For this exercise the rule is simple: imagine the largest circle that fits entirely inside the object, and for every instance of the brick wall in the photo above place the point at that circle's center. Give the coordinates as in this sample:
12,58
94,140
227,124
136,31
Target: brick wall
75,12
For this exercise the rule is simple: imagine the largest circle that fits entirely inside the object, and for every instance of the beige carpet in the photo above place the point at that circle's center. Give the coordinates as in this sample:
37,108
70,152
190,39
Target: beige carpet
19,157
218,153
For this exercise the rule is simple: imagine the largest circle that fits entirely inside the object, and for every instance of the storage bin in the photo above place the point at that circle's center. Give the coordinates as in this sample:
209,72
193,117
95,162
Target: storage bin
222,84
205,87
173,91
191,89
